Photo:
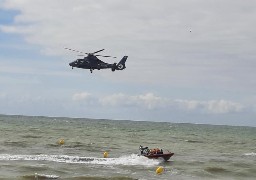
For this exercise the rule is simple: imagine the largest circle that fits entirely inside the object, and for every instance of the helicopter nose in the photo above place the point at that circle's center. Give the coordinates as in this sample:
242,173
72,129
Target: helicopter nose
71,64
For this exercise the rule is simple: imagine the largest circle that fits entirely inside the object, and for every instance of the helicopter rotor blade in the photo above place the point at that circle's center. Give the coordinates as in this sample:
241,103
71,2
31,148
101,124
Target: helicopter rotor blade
98,51
105,56
81,53
75,50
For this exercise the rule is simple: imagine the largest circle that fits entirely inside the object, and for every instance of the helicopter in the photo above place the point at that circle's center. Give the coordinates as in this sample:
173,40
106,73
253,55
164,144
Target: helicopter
92,62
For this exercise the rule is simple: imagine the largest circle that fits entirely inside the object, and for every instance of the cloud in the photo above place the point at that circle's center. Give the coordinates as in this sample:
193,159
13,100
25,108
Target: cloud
147,106
212,106
149,101
116,100
81,96
2,95
222,106
219,52
208,71
84,99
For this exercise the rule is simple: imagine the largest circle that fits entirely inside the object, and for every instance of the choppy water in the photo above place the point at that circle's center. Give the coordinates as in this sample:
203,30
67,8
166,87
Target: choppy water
29,149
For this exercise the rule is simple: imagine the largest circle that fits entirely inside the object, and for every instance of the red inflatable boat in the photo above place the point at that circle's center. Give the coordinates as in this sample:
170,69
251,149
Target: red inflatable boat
155,153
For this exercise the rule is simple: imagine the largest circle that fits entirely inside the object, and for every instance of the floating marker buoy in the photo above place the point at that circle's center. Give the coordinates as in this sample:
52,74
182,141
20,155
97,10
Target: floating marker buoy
159,170
36,176
105,154
61,142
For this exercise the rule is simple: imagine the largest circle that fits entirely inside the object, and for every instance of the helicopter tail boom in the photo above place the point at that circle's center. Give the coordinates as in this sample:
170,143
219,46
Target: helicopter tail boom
121,64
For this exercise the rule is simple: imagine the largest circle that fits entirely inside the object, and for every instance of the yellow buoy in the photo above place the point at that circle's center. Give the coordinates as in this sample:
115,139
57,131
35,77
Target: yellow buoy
159,170
61,142
105,154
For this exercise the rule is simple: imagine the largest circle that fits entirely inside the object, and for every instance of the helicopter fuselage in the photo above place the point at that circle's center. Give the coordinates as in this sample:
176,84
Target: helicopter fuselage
92,62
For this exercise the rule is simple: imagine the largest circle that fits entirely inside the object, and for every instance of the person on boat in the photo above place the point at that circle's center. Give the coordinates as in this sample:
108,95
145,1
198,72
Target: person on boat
143,150
157,151
152,151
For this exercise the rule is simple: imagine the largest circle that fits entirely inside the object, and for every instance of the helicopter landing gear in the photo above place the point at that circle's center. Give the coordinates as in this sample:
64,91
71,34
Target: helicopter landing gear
113,67
91,70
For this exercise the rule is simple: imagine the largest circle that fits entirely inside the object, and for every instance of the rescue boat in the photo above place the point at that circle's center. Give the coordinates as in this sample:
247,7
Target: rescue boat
155,153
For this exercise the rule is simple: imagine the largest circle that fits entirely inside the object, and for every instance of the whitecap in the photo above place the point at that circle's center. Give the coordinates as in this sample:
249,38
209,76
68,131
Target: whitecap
250,154
47,176
128,160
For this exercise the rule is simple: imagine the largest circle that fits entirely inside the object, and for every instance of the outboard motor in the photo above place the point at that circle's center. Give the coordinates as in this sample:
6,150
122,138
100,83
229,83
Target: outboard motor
143,150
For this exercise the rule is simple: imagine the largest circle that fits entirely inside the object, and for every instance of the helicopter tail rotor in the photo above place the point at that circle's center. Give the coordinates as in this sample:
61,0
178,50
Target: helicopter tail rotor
121,64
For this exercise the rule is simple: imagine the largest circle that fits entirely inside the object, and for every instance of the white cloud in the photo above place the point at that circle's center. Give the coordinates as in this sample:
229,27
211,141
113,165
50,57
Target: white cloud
150,101
188,104
115,100
223,106
147,101
83,96
212,106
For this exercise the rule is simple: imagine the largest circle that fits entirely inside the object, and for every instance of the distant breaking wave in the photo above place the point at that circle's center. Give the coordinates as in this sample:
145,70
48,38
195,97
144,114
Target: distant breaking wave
250,154
41,176
128,160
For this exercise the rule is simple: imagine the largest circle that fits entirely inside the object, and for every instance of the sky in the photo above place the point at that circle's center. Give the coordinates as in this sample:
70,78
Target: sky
189,61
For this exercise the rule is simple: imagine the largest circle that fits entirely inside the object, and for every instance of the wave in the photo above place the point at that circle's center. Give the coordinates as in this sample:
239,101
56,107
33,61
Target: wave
128,160
31,136
16,143
40,176
193,141
250,154
45,176
215,170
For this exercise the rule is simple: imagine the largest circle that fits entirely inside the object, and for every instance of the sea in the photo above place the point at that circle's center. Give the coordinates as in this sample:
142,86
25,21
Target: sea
36,147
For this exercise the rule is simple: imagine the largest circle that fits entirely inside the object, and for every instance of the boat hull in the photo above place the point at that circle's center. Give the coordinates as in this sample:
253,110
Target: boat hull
166,156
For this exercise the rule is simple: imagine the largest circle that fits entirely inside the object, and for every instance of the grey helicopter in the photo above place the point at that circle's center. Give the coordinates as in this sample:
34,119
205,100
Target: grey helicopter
92,62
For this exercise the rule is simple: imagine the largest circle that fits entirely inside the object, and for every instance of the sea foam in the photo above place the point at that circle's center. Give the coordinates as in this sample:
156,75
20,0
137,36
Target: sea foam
129,160
250,154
